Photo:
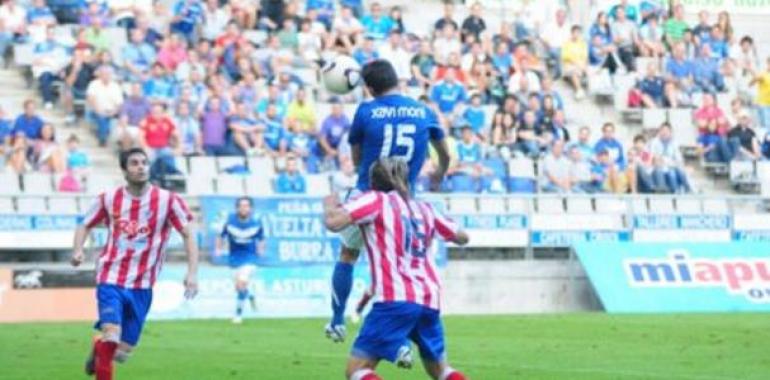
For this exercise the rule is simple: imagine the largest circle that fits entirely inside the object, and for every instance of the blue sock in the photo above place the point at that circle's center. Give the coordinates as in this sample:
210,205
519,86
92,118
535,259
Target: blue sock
342,282
242,295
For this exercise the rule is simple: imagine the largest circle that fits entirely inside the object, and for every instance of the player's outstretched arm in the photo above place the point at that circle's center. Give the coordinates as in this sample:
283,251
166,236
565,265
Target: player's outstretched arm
191,248
336,217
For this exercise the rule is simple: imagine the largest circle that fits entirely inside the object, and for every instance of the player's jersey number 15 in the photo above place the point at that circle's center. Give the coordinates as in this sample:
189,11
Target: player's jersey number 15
403,146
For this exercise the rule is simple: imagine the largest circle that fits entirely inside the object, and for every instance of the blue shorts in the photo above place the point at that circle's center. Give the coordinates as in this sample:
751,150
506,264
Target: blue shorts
126,308
391,325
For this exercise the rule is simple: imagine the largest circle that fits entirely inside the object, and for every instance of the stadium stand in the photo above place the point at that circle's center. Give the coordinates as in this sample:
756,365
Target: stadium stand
77,74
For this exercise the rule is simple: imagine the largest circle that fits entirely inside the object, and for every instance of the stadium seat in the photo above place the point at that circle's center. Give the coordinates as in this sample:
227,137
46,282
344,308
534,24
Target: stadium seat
203,166
259,184
763,171
462,205
682,127
200,185
31,205
63,205
652,118
687,205
228,162
518,205
715,207
621,85
98,183
550,205
23,54
605,205
497,166
309,77
741,171
256,37
493,185
579,205
639,205
521,176
492,205
37,184
9,183
261,166
6,205
228,184
181,164
462,183
317,185
663,205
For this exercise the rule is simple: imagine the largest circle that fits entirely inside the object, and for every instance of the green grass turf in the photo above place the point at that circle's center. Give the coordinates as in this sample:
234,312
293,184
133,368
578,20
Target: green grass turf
572,346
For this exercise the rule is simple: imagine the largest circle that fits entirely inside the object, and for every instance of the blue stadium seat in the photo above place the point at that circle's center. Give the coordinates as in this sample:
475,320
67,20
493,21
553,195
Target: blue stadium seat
521,185
493,185
462,183
497,166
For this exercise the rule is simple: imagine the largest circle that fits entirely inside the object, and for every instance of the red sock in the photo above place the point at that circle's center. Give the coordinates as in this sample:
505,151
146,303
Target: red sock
105,351
455,375
365,374
371,376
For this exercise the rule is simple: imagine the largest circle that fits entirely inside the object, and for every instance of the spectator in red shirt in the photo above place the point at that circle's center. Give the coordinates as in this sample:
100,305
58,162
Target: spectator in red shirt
710,117
158,131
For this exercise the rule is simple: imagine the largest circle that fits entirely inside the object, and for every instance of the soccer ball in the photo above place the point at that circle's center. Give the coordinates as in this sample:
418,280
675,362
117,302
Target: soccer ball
340,74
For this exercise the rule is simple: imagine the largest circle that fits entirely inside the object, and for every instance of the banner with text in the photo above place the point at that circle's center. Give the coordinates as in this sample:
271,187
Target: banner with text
280,292
294,230
640,278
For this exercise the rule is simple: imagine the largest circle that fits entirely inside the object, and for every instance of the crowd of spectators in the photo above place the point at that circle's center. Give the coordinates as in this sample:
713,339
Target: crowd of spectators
220,78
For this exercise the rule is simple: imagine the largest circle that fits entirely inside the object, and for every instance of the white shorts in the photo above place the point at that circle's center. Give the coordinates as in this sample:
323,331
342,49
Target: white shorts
351,235
243,273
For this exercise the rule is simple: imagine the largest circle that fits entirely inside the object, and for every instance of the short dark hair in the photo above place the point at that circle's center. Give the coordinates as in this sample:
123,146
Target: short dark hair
244,198
128,153
380,76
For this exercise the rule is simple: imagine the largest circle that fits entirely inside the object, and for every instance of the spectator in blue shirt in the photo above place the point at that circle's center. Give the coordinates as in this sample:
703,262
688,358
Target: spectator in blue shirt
300,143
706,72
50,58
28,123
366,52
244,129
632,13
325,10
680,69
187,15
6,131
502,60
448,93
469,154
719,47
273,135
290,181
138,55
611,145
39,16
474,115
652,87
159,87
357,6
377,25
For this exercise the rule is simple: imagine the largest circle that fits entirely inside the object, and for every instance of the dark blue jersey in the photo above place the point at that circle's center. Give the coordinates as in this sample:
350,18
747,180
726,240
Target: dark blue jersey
393,126
242,237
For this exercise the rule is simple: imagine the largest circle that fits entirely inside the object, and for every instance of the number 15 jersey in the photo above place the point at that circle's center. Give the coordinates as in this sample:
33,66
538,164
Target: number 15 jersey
393,126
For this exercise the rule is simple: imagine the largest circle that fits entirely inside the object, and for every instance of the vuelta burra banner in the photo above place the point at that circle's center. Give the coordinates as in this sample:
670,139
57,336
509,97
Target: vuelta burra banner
735,7
651,278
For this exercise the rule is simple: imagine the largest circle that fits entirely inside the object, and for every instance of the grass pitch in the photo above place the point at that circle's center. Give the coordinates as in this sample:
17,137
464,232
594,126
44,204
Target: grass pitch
572,346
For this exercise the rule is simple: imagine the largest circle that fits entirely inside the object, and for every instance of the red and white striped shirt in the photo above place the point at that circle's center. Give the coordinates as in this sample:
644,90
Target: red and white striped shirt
137,232
398,240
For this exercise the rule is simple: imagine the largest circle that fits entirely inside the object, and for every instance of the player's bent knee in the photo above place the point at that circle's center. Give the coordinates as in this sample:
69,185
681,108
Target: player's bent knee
348,255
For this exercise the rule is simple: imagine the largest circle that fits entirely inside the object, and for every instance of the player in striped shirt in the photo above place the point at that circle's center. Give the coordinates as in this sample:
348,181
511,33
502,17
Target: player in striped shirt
398,233
139,218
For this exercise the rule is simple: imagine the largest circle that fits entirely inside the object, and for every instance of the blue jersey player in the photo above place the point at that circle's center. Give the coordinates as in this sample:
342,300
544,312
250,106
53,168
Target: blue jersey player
245,240
389,125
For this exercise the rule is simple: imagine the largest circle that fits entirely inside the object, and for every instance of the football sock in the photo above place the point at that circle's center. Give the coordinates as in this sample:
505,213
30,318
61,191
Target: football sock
242,296
342,282
362,302
364,374
452,374
105,351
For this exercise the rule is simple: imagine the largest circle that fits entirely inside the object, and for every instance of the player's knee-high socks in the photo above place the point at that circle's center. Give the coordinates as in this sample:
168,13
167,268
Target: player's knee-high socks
342,282
243,294
452,374
105,351
365,374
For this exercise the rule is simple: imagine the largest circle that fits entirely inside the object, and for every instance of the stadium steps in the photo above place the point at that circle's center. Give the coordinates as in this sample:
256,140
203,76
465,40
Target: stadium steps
15,92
